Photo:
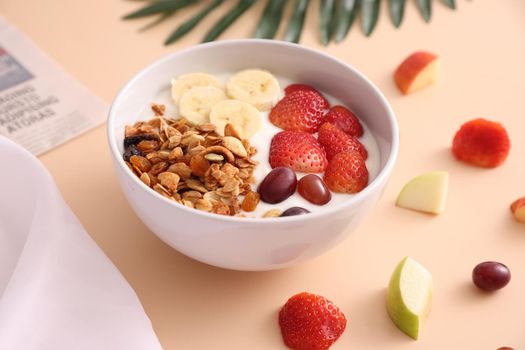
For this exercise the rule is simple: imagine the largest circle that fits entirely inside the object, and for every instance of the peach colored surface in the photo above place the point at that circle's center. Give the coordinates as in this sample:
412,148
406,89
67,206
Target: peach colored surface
194,306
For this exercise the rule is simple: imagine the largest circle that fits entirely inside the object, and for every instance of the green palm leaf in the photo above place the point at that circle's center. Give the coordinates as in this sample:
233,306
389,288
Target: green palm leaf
295,26
397,9
425,8
228,19
335,16
370,14
450,3
326,14
270,20
192,22
160,7
344,17
159,20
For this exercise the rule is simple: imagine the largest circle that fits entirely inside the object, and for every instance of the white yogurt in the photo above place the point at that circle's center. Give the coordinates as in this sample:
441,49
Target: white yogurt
262,140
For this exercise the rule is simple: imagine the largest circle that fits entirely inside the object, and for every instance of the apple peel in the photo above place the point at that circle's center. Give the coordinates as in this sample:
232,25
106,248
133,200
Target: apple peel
416,72
518,209
409,296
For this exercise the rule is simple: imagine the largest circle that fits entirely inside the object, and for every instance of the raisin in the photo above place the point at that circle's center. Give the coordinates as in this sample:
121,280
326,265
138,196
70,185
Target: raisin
133,140
131,151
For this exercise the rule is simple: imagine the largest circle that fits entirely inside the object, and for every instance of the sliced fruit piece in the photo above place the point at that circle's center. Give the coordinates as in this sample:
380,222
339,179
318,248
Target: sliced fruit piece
344,119
518,209
346,173
256,87
310,321
426,192
297,87
299,151
335,140
186,82
409,296
196,104
299,111
245,118
482,143
416,72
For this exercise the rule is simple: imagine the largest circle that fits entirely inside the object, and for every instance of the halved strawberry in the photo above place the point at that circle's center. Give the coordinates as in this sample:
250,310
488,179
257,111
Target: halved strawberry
335,140
482,143
345,120
299,151
301,110
310,322
346,173
302,87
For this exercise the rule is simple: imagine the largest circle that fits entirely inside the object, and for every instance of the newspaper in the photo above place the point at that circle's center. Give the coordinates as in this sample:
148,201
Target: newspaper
40,105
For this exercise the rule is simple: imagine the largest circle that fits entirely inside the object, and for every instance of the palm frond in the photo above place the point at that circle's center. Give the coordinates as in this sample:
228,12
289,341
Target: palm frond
370,14
158,7
344,17
450,3
397,9
335,16
228,19
270,20
425,8
192,22
325,15
295,26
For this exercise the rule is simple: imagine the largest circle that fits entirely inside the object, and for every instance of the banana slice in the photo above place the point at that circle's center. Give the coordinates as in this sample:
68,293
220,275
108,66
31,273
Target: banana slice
196,104
256,87
244,117
186,82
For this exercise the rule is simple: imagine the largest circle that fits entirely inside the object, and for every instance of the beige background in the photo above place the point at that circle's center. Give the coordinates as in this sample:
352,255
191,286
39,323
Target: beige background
194,306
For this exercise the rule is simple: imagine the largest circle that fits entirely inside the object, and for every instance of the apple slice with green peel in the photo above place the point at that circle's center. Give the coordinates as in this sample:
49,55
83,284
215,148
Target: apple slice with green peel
409,296
426,192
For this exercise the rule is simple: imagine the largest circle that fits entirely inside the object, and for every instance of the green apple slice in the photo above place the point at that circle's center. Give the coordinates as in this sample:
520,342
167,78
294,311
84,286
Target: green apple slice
409,296
426,192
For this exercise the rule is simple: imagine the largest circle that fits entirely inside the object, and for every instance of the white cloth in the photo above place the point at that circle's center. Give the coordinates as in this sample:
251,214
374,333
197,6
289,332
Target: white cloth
58,291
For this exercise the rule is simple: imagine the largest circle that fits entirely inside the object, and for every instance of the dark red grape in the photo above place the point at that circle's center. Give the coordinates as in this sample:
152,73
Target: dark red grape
295,211
314,190
279,184
490,275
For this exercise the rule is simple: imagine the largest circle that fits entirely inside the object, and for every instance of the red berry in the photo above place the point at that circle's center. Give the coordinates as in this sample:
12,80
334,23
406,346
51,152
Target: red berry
481,142
300,110
346,173
345,120
299,151
310,322
302,87
335,141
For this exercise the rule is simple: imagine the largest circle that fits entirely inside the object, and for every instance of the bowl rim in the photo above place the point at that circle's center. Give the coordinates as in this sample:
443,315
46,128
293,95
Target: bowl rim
358,197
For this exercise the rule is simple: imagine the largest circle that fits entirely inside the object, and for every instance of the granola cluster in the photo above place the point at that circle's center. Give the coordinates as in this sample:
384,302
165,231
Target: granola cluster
192,164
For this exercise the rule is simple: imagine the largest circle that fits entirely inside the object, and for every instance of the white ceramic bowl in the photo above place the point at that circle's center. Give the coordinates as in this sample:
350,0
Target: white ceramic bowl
254,244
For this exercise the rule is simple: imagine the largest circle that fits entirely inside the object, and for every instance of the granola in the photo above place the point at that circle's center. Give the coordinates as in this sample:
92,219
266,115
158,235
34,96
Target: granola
192,164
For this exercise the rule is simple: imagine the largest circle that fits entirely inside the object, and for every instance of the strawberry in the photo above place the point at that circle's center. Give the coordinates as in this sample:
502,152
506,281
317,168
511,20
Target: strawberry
299,151
481,142
298,87
310,322
301,110
346,173
335,140
345,120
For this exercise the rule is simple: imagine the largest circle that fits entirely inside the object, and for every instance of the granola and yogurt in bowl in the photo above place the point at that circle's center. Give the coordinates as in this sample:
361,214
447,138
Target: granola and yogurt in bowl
257,156
250,144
